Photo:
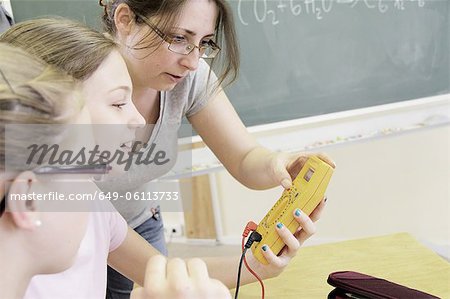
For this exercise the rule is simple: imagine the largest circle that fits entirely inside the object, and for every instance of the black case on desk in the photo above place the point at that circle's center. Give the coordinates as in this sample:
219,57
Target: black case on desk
351,284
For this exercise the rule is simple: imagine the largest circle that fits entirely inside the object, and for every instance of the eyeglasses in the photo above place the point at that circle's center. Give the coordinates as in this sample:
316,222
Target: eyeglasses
7,82
100,169
180,45
94,169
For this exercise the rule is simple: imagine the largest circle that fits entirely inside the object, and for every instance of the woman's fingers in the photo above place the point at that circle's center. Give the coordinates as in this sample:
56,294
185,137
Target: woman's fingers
296,163
277,170
326,159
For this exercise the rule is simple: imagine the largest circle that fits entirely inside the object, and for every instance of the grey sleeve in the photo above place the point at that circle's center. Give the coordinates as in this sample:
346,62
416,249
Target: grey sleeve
6,21
201,89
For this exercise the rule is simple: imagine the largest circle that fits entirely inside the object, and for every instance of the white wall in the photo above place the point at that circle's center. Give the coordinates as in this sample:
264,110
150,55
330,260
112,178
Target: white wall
397,183
393,164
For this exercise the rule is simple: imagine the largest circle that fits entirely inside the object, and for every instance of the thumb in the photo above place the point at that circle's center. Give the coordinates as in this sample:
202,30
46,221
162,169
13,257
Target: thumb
280,173
327,159
283,177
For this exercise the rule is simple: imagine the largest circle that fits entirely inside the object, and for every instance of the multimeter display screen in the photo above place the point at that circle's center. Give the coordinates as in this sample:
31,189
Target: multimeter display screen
308,174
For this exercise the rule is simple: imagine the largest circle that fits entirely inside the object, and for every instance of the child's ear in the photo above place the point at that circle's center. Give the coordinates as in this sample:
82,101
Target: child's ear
123,20
20,204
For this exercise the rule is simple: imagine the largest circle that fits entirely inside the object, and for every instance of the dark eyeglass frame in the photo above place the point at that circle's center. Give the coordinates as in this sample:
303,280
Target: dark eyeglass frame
189,46
74,169
96,169
6,81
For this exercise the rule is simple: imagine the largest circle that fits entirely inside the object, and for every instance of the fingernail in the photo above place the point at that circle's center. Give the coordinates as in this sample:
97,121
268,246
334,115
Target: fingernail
279,225
264,248
297,212
286,184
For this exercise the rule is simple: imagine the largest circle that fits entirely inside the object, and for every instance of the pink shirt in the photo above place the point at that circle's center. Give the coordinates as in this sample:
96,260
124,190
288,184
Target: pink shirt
87,277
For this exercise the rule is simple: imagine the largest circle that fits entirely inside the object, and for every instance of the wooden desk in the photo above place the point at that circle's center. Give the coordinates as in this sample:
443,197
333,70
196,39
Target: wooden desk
398,258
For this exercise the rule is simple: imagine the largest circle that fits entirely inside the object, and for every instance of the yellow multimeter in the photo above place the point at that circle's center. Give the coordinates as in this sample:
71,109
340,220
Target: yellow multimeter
307,191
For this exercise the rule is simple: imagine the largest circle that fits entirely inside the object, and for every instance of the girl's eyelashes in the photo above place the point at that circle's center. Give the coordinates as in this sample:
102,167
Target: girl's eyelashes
119,106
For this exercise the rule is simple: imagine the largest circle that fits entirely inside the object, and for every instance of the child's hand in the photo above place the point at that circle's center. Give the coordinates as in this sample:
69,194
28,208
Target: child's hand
175,278
293,242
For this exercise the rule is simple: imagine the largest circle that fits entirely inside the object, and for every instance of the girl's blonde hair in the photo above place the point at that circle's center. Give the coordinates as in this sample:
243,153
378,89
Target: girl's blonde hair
63,43
31,92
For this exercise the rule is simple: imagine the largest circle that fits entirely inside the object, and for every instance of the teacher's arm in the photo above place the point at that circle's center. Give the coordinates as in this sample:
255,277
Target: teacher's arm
251,164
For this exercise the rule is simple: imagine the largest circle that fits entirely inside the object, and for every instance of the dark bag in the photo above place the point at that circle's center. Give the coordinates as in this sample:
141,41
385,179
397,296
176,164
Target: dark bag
349,284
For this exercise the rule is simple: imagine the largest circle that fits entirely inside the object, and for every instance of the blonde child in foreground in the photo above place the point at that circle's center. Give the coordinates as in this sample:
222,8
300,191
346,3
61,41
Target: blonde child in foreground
35,241
124,250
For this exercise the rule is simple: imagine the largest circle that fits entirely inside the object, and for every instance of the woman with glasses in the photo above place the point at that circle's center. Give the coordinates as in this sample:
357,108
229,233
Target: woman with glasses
165,44
91,58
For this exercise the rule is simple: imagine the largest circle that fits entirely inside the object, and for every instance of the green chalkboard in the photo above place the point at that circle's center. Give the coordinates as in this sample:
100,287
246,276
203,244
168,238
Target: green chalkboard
309,57
86,11
304,58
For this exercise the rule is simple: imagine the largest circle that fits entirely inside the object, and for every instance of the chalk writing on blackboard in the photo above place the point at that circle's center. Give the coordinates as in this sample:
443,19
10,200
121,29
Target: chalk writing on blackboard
272,10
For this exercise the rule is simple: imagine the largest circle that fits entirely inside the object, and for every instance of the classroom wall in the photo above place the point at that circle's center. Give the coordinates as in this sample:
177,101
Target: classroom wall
397,183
